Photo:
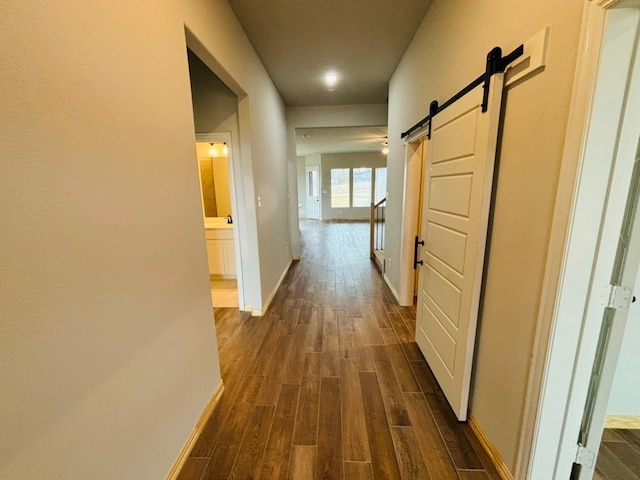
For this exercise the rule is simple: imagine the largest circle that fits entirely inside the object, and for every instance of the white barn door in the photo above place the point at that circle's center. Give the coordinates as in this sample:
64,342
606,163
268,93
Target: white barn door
456,200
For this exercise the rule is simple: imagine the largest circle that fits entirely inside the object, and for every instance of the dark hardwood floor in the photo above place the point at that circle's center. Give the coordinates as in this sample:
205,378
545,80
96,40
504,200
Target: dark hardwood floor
619,455
329,384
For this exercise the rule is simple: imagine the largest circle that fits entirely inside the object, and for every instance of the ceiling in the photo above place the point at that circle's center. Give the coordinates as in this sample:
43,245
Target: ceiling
340,139
299,40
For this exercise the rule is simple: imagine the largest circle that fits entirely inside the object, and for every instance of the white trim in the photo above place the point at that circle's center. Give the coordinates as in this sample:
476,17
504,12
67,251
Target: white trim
579,113
417,135
195,433
393,290
411,200
234,166
261,311
573,269
620,43
535,56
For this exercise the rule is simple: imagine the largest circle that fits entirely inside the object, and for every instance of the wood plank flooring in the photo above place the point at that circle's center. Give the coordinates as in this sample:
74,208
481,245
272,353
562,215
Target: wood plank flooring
619,455
329,384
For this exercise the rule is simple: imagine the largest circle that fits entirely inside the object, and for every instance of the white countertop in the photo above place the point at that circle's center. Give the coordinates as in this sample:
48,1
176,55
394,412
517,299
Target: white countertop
217,223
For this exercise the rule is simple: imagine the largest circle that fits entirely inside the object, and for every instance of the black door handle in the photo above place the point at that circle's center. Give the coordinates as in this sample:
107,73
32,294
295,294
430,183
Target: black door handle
417,262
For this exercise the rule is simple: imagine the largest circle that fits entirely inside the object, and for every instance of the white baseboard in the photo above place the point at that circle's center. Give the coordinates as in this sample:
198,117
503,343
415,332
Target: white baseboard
263,310
393,290
345,220
197,430
622,421
492,452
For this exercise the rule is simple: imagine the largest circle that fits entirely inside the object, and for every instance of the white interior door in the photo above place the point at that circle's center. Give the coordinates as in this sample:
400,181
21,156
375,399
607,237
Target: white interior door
456,198
613,325
620,234
313,192
599,161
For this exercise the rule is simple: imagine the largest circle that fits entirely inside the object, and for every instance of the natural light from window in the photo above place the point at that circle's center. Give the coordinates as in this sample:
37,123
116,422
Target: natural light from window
340,191
381,184
361,187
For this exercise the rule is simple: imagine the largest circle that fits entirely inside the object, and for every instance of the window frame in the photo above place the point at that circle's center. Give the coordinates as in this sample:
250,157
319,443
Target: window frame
371,186
348,184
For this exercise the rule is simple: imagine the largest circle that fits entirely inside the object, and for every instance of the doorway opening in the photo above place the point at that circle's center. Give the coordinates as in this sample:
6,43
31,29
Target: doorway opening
599,262
312,185
214,166
415,157
215,109
614,391
341,172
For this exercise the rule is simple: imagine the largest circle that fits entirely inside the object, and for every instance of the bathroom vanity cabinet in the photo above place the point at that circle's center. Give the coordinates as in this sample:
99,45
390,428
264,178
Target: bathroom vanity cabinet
221,251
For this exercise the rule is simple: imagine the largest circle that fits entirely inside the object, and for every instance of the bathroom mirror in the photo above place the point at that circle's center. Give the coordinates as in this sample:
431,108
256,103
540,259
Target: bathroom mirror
214,178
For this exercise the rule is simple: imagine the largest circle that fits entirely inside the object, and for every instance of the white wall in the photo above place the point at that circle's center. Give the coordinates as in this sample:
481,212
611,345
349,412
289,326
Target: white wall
449,51
107,336
328,116
301,181
215,106
313,160
625,393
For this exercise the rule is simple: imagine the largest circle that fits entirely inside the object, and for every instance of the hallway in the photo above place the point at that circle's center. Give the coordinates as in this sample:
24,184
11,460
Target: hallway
329,383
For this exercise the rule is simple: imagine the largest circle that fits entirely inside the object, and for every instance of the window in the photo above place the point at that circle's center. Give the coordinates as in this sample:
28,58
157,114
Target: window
359,181
340,191
313,183
361,187
381,184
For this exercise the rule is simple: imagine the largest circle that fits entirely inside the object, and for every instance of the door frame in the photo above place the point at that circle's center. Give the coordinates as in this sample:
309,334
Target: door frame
307,169
233,162
578,262
415,150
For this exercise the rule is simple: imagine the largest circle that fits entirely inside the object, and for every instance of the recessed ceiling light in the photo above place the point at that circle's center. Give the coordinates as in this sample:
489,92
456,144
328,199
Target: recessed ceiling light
331,78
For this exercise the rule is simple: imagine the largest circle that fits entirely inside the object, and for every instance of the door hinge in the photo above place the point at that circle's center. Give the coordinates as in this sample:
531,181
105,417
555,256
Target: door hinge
585,457
616,296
